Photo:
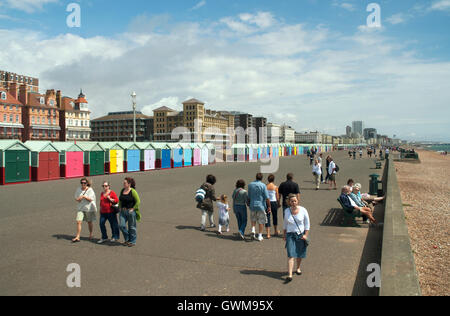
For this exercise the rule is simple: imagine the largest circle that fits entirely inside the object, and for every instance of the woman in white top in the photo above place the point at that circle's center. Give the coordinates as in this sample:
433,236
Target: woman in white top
296,232
86,208
317,172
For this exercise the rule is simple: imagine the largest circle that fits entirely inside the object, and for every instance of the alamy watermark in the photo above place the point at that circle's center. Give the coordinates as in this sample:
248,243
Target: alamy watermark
74,18
74,278
246,151
374,278
374,19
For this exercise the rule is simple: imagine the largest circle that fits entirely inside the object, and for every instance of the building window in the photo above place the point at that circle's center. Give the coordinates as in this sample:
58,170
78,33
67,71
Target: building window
3,95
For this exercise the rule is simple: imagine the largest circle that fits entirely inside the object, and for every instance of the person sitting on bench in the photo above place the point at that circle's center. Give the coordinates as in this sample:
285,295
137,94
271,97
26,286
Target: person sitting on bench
351,207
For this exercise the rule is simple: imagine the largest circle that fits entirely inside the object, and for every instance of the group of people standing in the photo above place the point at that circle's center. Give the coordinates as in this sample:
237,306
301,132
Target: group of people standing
118,210
263,200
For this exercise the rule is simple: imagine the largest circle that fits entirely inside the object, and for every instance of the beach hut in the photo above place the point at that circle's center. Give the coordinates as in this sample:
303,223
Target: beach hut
240,152
176,155
147,156
197,154
163,155
131,157
14,162
71,158
187,155
44,161
211,153
255,152
114,157
94,158
205,156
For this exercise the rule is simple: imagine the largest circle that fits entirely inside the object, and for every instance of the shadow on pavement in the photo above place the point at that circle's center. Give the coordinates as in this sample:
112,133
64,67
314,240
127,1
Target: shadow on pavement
335,218
85,239
371,254
181,227
270,274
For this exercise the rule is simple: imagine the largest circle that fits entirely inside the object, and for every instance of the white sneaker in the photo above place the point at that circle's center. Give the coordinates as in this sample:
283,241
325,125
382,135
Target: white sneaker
101,241
260,238
113,240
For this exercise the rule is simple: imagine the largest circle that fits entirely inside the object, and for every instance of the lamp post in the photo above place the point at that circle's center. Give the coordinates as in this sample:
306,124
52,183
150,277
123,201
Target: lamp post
133,97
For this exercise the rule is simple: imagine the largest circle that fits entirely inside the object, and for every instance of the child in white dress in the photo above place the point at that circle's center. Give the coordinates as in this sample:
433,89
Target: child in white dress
224,215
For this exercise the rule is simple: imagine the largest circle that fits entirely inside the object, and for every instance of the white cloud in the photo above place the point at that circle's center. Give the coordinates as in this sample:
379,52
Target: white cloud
28,6
344,5
441,5
171,102
199,5
398,18
318,78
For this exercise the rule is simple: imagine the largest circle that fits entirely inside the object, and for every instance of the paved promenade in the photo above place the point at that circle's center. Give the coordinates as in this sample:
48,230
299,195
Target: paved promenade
172,256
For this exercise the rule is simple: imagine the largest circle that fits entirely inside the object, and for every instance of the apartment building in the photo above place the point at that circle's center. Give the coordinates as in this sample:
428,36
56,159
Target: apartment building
118,126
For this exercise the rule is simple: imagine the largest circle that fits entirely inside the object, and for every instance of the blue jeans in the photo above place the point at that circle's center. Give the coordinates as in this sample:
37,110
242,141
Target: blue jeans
112,219
241,215
129,234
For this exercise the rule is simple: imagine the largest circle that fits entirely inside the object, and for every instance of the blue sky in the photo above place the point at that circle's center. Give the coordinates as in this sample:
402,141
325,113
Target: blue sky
308,58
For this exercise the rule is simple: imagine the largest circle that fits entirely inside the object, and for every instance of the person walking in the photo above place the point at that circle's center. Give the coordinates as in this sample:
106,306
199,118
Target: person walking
86,208
108,199
274,197
317,172
259,205
332,172
224,215
320,158
296,234
288,187
327,178
207,206
129,203
240,202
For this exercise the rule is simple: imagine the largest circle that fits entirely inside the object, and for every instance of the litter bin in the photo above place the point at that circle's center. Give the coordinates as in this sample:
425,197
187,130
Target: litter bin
373,185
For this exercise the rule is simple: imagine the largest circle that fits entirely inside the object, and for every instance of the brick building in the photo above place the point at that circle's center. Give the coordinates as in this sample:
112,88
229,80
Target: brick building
11,126
40,115
8,78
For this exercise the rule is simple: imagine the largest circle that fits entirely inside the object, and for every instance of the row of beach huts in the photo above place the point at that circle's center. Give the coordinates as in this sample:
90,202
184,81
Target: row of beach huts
45,161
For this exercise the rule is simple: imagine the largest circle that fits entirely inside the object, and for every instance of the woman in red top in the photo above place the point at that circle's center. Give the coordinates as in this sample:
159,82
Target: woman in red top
108,198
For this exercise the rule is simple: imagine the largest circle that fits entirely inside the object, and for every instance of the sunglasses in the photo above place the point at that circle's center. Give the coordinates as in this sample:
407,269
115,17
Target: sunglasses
84,183
105,186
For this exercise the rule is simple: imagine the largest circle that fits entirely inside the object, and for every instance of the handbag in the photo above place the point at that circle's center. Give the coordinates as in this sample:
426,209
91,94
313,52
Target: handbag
298,237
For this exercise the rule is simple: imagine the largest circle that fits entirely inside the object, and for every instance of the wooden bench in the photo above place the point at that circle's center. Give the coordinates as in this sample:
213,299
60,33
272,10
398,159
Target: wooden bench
348,215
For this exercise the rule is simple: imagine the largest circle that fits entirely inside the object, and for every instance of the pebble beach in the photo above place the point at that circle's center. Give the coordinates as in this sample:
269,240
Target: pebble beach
425,192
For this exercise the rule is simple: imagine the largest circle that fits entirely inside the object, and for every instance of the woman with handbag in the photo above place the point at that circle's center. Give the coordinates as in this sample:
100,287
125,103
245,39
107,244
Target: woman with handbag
108,212
86,208
296,233
129,204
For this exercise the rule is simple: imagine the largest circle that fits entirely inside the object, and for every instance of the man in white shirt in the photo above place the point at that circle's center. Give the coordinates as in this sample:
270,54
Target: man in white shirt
332,172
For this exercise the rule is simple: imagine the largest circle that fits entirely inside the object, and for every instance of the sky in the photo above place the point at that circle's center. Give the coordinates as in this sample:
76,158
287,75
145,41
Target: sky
312,64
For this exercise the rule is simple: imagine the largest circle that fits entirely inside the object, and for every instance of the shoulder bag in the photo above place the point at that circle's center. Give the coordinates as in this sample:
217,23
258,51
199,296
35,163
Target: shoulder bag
299,236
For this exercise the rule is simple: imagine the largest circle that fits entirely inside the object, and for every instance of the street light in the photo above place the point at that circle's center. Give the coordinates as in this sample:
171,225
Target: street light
133,97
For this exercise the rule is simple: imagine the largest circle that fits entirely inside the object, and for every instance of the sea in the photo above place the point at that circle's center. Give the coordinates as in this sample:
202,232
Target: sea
444,147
